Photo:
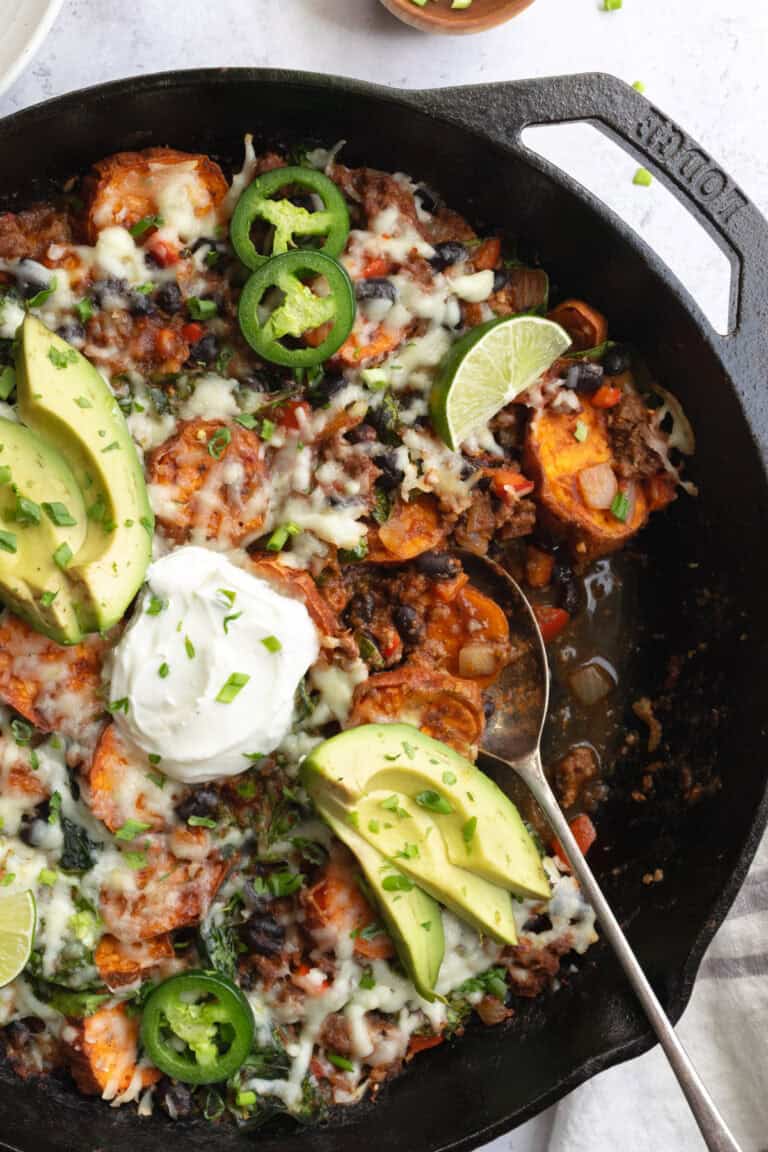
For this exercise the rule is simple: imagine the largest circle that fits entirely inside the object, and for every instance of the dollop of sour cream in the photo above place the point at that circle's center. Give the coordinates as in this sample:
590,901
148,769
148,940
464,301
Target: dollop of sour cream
209,665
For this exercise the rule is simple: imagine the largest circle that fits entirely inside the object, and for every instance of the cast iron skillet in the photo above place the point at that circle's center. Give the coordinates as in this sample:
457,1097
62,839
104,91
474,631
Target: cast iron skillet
700,590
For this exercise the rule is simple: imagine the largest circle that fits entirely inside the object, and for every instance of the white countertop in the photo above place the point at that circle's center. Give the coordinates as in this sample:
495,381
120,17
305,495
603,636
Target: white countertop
702,61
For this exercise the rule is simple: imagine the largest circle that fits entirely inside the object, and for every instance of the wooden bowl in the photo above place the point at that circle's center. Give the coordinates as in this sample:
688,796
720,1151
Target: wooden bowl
438,16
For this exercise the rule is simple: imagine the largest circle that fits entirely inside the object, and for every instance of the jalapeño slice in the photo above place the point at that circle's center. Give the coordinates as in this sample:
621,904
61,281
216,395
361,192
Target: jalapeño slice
296,309
197,1027
284,223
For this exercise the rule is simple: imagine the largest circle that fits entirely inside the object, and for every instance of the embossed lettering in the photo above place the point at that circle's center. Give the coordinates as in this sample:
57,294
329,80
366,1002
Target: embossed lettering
711,184
691,163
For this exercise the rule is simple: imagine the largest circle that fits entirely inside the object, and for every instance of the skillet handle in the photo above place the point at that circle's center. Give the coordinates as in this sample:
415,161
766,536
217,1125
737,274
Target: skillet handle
502,111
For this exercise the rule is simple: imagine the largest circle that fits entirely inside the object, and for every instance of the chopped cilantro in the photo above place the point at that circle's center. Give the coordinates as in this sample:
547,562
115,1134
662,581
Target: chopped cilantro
138,229
62,359
156,606
85,309
44,294
135,860
131,829
397,883
434,802
449,778
468,830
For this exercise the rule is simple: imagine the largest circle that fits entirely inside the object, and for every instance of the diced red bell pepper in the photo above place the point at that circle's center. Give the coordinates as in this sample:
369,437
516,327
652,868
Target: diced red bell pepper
164,252
583,833
508,484
288,414
551,620
192,332
421,1044
606,396
375,267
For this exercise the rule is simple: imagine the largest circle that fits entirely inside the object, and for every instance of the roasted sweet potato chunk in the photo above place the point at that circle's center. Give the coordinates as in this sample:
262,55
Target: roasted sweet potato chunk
102,1053
469,636
56,688
120,964
207,483
299,584
555,458
412,527
119,787
130,186
444,706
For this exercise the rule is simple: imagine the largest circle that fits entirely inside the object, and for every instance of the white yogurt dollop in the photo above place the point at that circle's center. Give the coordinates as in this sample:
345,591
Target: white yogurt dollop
203,629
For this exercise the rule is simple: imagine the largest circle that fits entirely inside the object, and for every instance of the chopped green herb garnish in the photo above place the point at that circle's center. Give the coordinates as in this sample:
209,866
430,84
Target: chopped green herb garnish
85,309
7,381
581,431
201,309
620,506
373,826
230,620
267,430
5,474
48,598
62,555
642,177
201,822
59,514
612,5
449,778
397,883
138,229
246,420
47,876
62,359
111,447
433,802
157,779
468,830
228,595
218,443
189,648
154,757
44,294
367,980
7,541
271,643
340,1062
156,606
121,705
163,670
131,829
135,860
27,512
279,537
22,731
9,879
83,402
54,808
232,687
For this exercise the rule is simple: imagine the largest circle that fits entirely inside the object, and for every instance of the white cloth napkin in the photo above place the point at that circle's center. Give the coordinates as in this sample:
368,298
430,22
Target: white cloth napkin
637,1107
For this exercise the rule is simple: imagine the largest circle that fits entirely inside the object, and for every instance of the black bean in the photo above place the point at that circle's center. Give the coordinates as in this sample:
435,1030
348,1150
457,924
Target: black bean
202,802
174,1098
32,277
567,586
489,707
139,304
408,623
584,377
262,934
391,476
168,297
323,389
360,609
376,288
616,360
438,565
540,923
72,332
255,899
447,253
385,420
205,351
428,200
500,279
362,434
104,291
265,379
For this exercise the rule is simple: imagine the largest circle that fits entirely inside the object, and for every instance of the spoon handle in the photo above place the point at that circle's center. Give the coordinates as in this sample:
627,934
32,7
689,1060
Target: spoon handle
717,1136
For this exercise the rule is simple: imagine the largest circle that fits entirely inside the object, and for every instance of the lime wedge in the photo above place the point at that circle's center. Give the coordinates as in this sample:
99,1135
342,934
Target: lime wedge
487,368
18,916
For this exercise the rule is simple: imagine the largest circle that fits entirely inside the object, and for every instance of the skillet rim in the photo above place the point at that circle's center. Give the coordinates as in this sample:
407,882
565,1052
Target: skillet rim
441,106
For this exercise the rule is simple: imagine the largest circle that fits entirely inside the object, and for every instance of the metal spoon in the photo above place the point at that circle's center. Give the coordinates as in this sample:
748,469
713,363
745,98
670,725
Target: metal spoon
514,742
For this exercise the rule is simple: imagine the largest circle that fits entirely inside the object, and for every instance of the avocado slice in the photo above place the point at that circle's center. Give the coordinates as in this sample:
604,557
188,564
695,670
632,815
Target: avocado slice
406,838
481,827
63,398
413,918
33,477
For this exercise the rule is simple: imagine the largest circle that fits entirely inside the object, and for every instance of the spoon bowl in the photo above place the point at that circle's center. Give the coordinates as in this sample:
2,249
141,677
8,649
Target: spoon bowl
512,744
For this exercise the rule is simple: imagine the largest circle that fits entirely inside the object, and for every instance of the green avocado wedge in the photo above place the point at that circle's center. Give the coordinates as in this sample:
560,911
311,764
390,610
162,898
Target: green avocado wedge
41,511
480,826
413,918
63,398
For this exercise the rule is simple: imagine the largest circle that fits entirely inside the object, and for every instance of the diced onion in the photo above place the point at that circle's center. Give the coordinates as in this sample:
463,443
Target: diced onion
478,660
598,485
590,683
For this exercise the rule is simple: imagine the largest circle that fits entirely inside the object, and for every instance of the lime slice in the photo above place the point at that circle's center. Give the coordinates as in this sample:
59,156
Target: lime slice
18,916
487,368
